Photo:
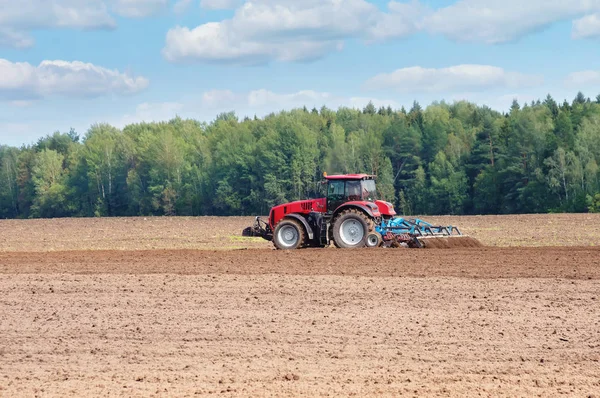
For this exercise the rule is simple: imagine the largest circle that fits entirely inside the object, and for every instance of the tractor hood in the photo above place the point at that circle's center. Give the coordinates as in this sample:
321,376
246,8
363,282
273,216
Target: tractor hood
385,208
302,206
298,207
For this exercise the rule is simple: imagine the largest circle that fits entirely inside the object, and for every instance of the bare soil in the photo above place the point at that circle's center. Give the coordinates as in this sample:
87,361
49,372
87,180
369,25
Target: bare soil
85,313
481,263
224,233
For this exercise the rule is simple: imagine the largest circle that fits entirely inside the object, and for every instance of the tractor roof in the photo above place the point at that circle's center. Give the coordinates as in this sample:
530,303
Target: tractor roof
351,177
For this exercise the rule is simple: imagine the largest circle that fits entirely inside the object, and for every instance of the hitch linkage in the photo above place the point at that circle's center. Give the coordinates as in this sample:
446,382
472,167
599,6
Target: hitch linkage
260,228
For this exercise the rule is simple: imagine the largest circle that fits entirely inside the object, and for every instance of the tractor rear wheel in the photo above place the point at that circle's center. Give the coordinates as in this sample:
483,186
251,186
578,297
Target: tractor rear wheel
289,234
351,228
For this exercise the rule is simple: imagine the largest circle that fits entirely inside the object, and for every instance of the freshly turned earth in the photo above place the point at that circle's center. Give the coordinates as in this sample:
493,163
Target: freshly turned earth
186,307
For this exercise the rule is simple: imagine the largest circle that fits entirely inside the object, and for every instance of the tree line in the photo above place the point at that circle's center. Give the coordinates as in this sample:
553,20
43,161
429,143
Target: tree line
456,158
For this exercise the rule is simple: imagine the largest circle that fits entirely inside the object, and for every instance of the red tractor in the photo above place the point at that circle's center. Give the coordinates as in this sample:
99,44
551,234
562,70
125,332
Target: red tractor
350,216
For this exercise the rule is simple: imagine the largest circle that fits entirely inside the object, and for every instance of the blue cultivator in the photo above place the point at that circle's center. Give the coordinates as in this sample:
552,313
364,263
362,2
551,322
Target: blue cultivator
416,233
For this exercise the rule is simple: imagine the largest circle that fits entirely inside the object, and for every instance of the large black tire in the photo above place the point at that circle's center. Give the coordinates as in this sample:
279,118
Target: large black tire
356,227
289,234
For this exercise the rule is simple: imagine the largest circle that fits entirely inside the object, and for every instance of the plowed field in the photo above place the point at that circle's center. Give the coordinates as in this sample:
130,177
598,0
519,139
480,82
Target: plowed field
185,307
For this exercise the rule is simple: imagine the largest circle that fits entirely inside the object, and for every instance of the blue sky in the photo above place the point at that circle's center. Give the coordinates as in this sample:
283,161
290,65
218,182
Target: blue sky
71,63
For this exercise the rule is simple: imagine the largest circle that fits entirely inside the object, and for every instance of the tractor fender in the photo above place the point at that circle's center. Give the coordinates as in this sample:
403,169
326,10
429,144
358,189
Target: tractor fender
367,210
307,227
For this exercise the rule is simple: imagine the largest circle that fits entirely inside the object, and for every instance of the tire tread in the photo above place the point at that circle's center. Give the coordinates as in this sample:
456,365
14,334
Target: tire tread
299,226
369,221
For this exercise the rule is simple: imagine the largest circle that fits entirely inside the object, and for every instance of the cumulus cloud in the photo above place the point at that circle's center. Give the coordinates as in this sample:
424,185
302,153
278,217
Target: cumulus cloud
12,38
586,27
454,78
23,81
263,98
150,112
220,4
582,79
18,18
260,102
288,30
493,21
214,42
181,6
263,101
137,8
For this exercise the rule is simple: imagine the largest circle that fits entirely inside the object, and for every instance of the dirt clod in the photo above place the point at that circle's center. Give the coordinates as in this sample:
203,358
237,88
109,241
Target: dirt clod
291,376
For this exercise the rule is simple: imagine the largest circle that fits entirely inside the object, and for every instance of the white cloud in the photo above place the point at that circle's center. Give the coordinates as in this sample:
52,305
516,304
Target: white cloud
217,98
181,6
23,81
149,112
582,79
586,27
22,103
288,30
18,18
137,8
213,42
403,19
454,78
263,101
503,102
15,39
220,4
262,98
493,21
259,102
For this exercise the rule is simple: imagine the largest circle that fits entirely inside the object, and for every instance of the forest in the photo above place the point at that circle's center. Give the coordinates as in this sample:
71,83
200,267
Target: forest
457,158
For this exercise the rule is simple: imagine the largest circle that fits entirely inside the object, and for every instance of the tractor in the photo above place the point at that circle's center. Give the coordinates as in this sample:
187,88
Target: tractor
351,216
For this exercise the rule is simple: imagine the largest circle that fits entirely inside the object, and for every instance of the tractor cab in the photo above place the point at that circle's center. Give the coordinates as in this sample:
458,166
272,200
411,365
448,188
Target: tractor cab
350,188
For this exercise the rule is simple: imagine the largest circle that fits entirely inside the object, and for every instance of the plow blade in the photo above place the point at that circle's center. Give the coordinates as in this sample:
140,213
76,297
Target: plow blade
448,242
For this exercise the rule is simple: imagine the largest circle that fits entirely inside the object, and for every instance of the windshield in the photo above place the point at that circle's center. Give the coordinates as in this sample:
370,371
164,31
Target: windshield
369,190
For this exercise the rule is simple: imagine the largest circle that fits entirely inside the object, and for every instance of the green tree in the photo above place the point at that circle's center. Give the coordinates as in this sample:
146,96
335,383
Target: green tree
448,186
559,175
565,135
9,190
48,179
593,203
103,163
402,145
436,123
480,169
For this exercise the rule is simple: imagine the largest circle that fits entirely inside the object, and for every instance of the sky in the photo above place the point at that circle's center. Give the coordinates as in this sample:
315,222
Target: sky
72,63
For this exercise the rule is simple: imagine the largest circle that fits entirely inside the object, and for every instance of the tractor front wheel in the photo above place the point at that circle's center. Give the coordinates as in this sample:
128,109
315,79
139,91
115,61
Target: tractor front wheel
351,228
289,234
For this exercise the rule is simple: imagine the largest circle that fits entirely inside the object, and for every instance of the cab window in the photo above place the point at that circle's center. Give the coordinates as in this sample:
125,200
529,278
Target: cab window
336,190
353,190
369,191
